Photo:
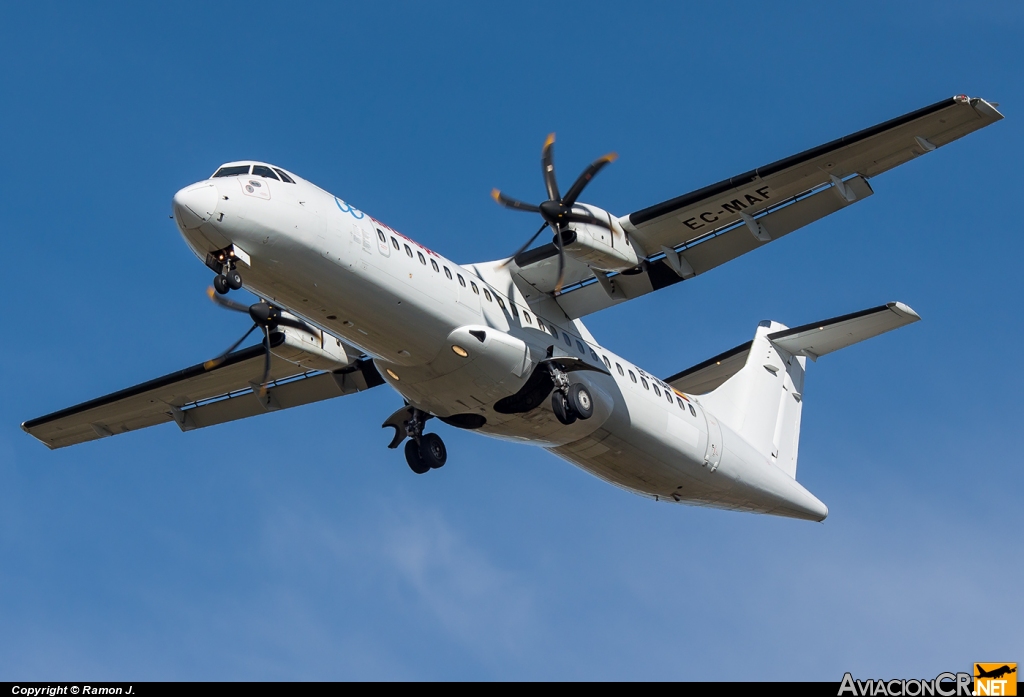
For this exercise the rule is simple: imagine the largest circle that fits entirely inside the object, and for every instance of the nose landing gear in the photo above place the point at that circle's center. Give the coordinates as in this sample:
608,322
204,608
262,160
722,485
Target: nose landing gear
228,280
222,262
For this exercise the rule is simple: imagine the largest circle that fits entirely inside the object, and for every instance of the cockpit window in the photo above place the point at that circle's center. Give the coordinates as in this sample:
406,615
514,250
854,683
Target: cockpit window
233,171
284,176
263,171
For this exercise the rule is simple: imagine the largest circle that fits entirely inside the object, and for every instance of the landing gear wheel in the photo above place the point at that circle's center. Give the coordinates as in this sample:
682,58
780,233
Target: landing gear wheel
581,401
220,284
563,411
413,456
432,450
234,280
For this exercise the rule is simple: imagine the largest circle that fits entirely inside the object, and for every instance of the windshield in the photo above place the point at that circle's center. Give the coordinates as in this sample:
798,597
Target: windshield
233,171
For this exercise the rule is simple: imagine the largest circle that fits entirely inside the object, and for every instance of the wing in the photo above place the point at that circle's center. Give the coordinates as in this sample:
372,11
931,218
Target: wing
197,397
696,232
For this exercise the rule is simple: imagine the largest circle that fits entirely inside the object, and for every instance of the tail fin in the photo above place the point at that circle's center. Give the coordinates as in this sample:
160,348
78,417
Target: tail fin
762,400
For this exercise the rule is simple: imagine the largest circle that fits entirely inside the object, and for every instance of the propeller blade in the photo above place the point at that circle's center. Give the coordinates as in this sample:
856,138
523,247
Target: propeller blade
561,260
523,248
266,364
588,219
547,162
214,362
577,187
225,303
510,202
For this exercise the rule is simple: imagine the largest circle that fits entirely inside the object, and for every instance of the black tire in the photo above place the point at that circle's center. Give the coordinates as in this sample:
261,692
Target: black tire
234,280
432,450
415,458
581,401
563,412
220,284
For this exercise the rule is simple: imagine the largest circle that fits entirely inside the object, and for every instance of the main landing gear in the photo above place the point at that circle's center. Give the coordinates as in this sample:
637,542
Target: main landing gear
425,454
569,402
423,451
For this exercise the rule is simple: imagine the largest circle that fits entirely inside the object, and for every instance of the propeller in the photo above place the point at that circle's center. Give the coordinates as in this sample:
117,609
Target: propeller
264,316
557,210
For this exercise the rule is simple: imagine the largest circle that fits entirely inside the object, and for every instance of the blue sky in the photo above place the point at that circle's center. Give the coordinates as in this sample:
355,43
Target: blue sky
295,546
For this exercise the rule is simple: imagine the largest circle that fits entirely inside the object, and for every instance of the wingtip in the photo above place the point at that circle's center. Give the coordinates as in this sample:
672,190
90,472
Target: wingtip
904,309
496,195
550,140
611,157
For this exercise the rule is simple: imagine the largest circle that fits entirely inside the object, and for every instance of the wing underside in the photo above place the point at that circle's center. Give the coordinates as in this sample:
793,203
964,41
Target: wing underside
197,397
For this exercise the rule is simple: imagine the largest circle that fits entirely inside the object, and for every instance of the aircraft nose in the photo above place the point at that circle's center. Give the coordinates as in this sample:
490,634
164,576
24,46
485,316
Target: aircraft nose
195,204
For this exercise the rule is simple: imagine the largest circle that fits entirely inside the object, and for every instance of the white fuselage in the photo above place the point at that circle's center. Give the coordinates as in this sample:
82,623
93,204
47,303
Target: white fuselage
406,306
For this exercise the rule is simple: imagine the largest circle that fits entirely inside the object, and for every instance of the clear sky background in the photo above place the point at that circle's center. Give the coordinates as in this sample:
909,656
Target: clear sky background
296,546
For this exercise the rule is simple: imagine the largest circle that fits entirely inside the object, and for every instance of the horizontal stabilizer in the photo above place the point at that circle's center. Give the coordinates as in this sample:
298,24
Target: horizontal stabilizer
818,338
706,376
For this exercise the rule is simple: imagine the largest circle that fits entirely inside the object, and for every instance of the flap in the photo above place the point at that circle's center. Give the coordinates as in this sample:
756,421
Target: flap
818,338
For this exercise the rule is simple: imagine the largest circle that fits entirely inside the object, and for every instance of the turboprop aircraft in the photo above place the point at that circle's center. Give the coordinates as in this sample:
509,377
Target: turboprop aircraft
348,304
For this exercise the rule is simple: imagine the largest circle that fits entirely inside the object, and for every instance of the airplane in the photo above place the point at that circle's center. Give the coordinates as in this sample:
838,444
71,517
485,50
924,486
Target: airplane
996,672
347,303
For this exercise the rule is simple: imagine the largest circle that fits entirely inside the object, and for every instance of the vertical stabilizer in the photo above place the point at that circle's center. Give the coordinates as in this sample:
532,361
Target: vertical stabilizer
762,401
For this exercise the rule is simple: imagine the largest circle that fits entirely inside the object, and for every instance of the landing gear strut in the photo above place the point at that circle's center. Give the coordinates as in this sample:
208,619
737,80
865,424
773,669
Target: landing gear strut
569,402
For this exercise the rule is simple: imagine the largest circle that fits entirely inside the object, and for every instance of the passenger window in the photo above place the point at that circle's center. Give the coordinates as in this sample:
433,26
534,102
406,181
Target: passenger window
607,363
643,381
679,401
394,243
668,396
631,376
487,294
447,273
284,176
593,354
501,303
422,259
473,286
692,410
540,325
619,367
408,251
568,341
657,391
380,234
462,281
262,171
527,316
515,311
231,171
583,349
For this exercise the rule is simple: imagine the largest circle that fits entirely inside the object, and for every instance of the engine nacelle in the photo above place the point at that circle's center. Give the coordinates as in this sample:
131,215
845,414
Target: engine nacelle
598,247
313,351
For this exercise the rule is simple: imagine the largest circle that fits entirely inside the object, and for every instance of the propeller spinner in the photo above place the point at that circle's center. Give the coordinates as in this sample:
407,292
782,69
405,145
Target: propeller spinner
557,210
264,316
